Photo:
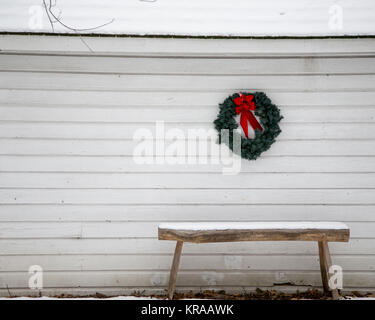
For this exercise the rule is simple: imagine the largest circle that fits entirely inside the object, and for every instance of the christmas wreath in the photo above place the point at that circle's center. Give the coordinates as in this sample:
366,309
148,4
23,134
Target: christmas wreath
246,105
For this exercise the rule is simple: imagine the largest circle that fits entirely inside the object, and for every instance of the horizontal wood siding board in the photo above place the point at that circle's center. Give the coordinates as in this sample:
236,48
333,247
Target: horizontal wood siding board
175,98
152,246
194,196
137,229
300,112
191,66
185,47
214,262
122,131
195,83
182,180
66,163
127,147
157,213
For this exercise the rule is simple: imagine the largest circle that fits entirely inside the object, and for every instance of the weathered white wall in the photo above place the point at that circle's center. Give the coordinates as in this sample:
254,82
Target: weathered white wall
74,202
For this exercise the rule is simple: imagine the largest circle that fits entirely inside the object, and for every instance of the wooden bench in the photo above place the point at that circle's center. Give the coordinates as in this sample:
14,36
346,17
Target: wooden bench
322,232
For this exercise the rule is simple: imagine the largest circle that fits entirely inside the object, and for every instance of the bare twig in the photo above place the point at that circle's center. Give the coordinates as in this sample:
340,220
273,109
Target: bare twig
48,16
52,18
10,295
56,19
85,43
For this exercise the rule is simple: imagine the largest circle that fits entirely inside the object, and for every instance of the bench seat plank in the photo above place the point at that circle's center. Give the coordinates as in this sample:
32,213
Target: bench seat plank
253,231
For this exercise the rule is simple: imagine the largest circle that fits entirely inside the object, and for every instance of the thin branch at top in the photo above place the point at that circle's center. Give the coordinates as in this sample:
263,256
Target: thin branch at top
54,19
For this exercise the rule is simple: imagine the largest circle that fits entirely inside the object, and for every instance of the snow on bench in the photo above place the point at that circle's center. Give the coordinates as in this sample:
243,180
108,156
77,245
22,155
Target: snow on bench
253,225
253,231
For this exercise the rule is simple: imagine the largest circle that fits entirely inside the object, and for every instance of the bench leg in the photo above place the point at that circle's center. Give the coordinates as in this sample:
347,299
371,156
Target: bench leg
174,269
325,264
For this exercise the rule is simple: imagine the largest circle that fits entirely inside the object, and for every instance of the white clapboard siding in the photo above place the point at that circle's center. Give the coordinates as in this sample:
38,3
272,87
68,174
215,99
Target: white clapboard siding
171,99
174,47
119,131
150,246
194,196
114,66
74,200
129,65
195,83
217,262
275,180
140,113
78,147
178,212
126,164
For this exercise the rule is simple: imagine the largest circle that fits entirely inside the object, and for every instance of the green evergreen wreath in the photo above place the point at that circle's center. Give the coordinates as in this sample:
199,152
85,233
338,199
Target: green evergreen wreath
265,133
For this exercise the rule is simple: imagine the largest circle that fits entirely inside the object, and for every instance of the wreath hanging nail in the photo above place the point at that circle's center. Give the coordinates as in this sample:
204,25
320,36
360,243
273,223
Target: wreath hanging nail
249,107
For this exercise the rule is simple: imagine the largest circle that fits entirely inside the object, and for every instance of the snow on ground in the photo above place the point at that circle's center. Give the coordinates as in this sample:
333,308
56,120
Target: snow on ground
143,298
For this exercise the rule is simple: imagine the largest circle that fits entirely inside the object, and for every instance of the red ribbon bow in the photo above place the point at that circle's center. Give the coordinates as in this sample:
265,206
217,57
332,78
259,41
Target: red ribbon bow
244,105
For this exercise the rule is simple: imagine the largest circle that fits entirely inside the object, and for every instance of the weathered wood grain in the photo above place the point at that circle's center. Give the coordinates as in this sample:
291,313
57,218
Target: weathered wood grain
325,257
174,269
254,235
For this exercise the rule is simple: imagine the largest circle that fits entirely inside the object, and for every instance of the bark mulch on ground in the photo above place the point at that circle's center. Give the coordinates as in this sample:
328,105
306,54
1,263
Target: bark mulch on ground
312,294
257,295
